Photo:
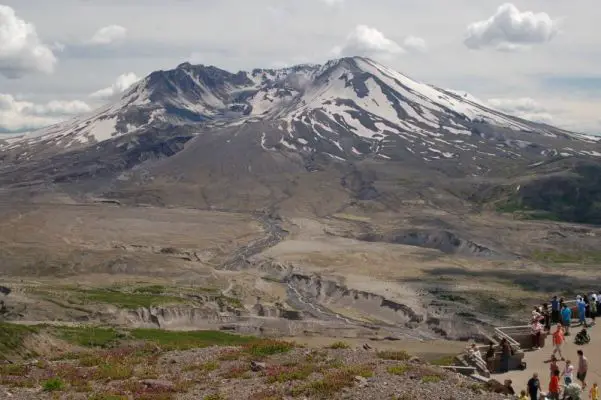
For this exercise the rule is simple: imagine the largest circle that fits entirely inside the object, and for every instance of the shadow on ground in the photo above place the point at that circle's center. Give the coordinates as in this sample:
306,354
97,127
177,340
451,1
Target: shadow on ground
527,280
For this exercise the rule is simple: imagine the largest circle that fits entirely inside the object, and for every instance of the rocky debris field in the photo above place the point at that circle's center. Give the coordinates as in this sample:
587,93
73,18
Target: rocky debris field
102,364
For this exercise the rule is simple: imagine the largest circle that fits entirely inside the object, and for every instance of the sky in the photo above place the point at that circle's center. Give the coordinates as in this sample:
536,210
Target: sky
537,59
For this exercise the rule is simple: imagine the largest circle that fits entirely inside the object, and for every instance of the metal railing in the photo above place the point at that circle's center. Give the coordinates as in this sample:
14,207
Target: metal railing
512,342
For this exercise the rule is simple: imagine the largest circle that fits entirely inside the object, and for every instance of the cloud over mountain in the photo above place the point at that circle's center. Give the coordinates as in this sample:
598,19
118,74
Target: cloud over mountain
368,41
122,83
17,115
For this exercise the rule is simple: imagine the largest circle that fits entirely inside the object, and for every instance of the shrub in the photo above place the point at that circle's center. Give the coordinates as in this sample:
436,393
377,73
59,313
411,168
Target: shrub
282,374
114,371
431,378
334,381
398,369
394,355
268,348
206,367
339,345
53,384
237,372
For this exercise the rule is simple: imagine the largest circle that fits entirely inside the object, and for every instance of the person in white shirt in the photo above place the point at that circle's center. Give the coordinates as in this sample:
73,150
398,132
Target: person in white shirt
568,373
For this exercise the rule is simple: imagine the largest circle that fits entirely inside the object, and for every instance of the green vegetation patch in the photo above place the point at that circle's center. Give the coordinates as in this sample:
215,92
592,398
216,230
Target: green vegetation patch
559,257
12,337
182,340
394,355
334,381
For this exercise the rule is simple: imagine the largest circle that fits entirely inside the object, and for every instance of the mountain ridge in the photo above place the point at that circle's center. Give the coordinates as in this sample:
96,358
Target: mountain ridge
203,94
350,129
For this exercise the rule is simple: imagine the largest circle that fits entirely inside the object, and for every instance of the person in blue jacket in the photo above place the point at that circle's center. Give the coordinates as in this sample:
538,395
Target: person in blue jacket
581,311
566,318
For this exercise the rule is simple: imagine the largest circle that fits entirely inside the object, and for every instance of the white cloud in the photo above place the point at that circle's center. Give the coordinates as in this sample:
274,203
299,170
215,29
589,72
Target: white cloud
21,50
122,83
509,29
109,34
333,2
523,107
415,43
17,116
367,41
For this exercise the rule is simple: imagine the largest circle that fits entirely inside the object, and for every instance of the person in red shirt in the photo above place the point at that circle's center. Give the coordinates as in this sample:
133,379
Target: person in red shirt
558,339
554,387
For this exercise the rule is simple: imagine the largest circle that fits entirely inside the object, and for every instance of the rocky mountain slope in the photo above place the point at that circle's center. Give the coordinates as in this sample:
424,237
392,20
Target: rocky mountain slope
347,108
348,129
344,194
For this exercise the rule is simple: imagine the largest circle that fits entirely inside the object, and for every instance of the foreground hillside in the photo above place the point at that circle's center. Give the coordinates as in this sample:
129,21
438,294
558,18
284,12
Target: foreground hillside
54,362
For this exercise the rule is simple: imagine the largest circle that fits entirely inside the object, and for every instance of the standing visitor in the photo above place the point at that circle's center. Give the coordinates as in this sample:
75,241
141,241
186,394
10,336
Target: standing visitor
554,387
537,330
546,317
505,355
566,318
593,307
533,387
553,366
490,357
558,339
581,311
594,393
555,309
582,368
568,373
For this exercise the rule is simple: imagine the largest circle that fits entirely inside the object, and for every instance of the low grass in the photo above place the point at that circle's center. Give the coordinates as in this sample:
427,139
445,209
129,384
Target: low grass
170,340
334,381
339,345
283,374
150,289
394,355
204,368
86,336
431,378
12,337
444,361
214,397
559,257
265,348
400,369
53,385
240,371
114,371
167,340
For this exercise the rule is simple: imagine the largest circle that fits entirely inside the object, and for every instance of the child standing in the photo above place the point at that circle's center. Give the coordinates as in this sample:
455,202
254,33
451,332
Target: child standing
568,373
594,393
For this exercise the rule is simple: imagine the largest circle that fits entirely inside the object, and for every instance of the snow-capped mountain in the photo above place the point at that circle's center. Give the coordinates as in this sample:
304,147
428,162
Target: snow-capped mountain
346,108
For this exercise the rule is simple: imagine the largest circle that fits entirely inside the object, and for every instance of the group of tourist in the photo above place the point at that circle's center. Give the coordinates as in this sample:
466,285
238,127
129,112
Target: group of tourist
561,315
587,307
